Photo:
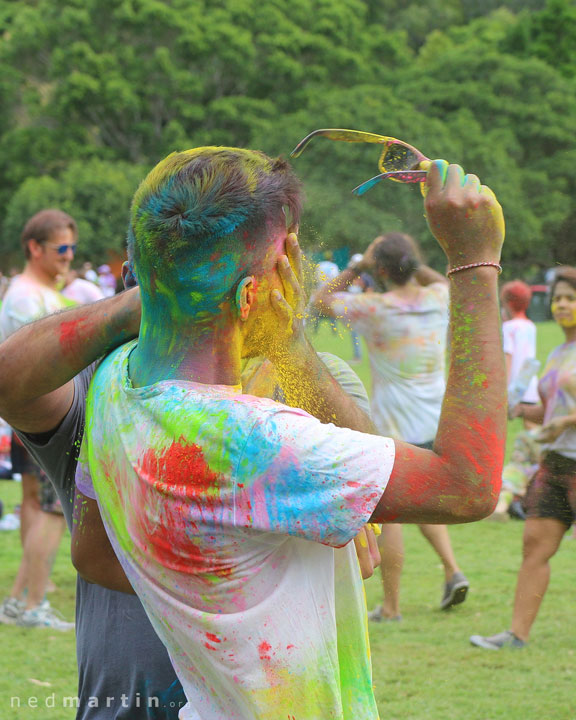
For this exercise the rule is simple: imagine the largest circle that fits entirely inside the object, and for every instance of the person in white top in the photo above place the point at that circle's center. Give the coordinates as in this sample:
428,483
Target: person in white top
81,291
223,508
405,331
49,241
519,340
518,334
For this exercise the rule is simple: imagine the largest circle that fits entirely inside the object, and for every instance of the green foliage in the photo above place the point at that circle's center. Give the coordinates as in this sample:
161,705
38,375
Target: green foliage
117,83
96,193
549,35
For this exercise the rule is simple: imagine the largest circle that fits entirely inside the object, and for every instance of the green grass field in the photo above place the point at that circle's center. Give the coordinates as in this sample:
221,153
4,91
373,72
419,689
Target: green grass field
424,667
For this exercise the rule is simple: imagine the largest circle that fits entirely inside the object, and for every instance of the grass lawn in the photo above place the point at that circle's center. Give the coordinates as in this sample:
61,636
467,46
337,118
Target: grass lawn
424,667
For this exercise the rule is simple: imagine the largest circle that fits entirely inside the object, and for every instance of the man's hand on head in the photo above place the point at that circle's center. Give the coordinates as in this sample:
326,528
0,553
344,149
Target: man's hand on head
289,305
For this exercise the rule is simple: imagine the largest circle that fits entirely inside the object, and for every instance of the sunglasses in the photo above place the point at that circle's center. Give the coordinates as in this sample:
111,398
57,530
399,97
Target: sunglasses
62,249
398,161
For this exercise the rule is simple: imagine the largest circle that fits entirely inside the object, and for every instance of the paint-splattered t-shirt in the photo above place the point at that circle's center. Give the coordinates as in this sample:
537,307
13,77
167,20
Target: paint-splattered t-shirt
224,510
406,346
558,386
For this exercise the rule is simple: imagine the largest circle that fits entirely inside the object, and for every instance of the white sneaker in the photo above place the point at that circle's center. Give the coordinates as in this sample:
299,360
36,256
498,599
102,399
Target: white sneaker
10,611
44,616
10,522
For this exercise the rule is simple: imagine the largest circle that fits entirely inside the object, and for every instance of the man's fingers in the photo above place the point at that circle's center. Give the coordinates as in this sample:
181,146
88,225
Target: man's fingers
280,305
472,181
455,178
292,288
436,176
373,546
294,254
363,555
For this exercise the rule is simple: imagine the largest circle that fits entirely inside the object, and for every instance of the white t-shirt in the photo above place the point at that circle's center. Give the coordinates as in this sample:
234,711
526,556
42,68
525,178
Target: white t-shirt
558,386
406,347
519,337
82,291
25,301
224,510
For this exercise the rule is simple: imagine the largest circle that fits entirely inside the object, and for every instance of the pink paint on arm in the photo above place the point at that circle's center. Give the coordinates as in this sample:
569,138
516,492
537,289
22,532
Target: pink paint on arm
73,336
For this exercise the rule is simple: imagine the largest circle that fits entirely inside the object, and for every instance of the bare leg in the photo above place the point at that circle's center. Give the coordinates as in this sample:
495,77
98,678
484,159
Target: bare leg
41,547
542,537
30,514
437,536
21,579
391,546
30,509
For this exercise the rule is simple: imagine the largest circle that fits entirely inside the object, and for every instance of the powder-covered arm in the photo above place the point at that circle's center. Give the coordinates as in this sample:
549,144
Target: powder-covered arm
39,361
460,479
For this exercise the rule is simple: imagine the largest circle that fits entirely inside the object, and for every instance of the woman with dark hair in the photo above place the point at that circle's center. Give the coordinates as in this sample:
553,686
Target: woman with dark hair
550,501
405,332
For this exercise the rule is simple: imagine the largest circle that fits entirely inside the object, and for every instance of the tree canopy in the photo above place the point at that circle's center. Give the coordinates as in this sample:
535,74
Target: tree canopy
94,92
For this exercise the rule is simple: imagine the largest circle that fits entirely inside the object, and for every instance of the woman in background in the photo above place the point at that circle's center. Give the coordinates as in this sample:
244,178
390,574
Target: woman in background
550,501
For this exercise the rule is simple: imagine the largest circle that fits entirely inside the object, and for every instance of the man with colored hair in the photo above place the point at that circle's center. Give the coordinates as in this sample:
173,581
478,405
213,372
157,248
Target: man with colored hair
224,509
49,240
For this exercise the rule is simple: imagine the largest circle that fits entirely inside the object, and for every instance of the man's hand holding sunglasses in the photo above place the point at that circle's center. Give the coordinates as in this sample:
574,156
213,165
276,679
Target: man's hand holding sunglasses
463,215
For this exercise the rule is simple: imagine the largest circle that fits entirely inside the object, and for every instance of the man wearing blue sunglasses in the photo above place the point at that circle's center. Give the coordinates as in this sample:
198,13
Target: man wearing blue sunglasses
49,240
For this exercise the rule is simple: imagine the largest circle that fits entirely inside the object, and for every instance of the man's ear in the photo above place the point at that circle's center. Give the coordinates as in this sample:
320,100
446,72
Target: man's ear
35,248
245,296
128,277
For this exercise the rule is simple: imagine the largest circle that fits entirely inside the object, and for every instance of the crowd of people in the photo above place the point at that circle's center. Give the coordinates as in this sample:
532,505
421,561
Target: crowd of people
222,481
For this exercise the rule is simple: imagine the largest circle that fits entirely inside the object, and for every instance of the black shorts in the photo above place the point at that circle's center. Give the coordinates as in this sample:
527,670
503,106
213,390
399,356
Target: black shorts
24,463
552,491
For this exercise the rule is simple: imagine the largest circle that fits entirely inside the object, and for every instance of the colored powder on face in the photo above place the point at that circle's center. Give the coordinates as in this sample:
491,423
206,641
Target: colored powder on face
567,321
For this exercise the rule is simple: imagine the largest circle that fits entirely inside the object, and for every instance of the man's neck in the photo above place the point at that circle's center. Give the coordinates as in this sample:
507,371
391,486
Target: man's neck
36,274
208,356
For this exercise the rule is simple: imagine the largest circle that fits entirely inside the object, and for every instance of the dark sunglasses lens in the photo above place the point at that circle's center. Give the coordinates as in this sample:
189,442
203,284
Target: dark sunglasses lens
63,249
400,157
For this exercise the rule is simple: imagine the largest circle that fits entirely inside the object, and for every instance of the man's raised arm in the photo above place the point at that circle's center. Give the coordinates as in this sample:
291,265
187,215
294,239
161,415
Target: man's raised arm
39,361
460,480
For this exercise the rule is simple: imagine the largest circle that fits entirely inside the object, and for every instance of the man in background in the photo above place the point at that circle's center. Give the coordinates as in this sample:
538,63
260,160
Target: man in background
49,241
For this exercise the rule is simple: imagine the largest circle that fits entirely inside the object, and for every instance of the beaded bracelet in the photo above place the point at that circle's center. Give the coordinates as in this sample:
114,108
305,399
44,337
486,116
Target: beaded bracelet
475,265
